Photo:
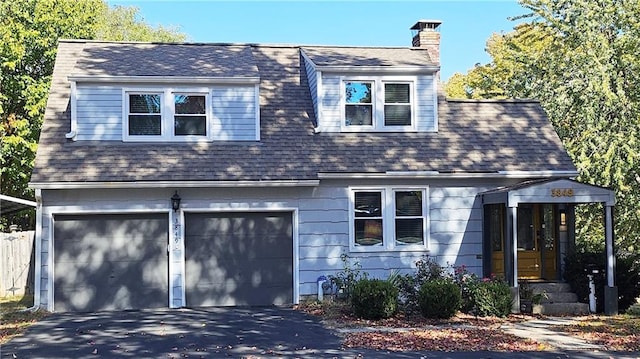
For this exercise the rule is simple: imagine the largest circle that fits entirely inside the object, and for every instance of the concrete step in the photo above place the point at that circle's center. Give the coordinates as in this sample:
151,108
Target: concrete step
563,297
550,287
561,309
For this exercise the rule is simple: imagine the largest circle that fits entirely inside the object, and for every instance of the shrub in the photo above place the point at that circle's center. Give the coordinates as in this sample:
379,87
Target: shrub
627,277
465,280
439,298
374,299
408,285
344,281
489,297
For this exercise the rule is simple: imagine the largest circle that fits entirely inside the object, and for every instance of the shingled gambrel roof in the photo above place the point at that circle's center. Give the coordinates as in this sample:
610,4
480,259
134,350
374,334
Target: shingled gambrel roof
167,60
368,56
473,136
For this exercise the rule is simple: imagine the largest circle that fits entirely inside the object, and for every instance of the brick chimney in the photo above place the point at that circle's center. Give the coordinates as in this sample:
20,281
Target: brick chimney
426,35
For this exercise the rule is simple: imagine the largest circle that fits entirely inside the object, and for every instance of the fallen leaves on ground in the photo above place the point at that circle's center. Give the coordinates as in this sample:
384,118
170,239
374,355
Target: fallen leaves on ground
618,333
14,319
442,339
413,332
14,323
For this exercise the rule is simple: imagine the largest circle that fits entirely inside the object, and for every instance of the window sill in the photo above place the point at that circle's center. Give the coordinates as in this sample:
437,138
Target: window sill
359,249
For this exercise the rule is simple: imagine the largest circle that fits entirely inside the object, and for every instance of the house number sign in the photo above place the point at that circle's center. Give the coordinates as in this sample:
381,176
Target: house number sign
176,233
562,192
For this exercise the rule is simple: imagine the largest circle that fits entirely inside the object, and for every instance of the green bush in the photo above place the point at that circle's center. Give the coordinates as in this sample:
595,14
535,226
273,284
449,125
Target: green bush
439,298
408,285
374,299
342,283
489,297
627,278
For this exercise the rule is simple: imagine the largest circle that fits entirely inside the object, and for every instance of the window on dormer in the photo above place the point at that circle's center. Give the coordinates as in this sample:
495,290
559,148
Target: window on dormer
397,104
190,115
378,105
167,115
145,114
358,105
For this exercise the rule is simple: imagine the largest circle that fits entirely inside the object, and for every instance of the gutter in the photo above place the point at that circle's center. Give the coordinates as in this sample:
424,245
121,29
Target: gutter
174,184
449,175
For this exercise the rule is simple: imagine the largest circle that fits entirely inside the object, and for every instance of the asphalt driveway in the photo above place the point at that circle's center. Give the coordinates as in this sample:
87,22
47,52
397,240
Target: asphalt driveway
256,332
192,333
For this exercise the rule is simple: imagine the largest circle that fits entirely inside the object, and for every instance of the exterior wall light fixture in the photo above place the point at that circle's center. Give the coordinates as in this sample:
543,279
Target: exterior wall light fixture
175,201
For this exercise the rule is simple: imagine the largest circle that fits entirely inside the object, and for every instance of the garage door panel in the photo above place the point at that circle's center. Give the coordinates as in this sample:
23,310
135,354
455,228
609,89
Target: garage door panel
110,262
239,258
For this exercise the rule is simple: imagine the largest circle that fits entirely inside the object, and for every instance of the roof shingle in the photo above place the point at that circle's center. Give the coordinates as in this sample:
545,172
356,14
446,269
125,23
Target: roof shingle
473,136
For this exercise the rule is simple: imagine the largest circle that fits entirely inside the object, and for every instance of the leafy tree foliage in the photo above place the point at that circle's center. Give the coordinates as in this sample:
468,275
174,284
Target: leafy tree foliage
29,32
581,59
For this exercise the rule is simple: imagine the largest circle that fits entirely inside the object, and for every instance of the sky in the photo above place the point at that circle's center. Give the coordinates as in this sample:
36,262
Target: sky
466,25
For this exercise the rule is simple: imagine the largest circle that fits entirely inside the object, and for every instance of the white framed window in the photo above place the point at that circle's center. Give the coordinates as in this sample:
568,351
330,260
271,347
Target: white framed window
358,108
388,218
144,114
166,114
378,104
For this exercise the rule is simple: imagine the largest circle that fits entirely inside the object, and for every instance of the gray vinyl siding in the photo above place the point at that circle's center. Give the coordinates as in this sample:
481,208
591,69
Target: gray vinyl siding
456,226
425,104
99,113
234,113
331,116
425,98
313,85
321,224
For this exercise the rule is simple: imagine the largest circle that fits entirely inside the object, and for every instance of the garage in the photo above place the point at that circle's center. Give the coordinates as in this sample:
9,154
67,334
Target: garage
110,261
235,259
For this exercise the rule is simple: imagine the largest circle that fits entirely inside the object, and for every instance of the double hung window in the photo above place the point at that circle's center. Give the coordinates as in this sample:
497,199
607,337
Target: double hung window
378,105
145,114
166,115
388,219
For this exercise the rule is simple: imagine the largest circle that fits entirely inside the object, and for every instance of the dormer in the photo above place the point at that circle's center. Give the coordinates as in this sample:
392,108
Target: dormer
376,89
148,92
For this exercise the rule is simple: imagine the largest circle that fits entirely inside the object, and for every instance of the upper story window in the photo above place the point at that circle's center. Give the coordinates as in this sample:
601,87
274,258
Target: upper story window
145,114
190,115
388,219
166,115
378,105
358,108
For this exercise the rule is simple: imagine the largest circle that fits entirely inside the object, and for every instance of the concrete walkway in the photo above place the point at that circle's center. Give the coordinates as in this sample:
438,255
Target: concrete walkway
542,331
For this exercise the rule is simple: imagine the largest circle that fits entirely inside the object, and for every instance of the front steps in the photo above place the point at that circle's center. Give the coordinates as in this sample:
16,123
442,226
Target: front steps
560,300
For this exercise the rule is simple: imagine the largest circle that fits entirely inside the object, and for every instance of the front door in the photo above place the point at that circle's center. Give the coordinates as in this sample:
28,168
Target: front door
529,266
537,242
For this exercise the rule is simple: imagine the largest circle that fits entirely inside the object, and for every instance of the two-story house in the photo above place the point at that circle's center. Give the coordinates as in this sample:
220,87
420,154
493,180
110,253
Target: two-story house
172,175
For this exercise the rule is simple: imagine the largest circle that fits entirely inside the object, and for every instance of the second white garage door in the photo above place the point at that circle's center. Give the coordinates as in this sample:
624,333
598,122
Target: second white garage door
235,259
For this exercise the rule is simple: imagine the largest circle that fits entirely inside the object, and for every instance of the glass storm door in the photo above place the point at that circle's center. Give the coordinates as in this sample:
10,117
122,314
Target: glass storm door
529,232
537,241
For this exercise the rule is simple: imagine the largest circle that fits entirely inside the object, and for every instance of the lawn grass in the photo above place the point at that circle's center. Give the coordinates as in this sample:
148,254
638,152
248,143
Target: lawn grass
14,319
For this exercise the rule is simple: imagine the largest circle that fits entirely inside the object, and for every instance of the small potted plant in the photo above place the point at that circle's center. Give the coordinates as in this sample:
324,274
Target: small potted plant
529,298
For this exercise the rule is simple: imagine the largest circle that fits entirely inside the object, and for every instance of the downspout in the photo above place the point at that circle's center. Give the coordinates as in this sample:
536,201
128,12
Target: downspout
38,257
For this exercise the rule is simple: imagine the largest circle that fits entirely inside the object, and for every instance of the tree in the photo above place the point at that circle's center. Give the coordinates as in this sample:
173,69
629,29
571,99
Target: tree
29,32
581,59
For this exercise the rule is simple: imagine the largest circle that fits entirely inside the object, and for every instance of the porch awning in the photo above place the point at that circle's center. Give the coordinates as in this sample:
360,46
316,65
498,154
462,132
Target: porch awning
10,205
549,191
555,191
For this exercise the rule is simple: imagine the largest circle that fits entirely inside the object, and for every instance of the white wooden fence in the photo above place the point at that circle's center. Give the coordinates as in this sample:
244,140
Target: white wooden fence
16,263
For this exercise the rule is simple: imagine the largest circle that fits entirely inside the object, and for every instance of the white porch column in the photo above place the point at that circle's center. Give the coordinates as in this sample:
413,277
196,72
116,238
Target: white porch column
511,254
513,211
